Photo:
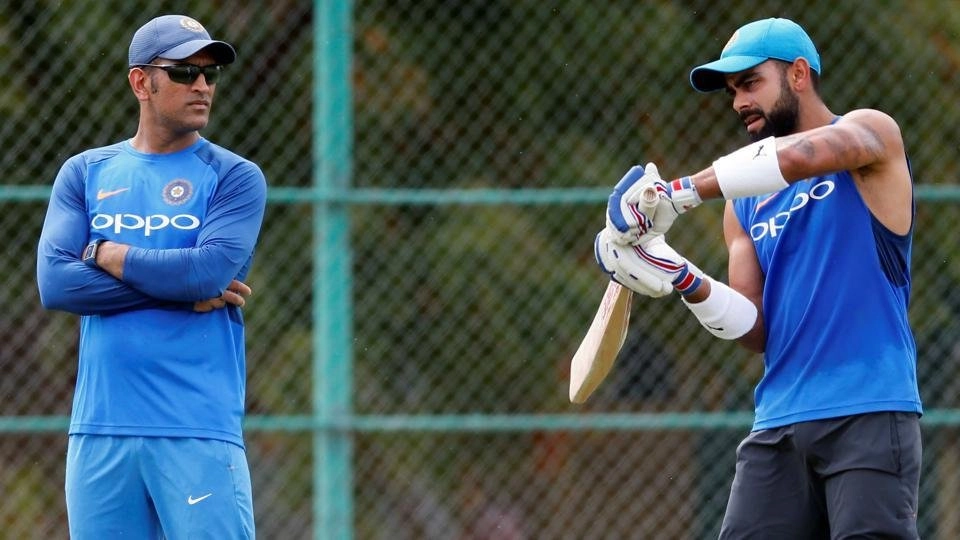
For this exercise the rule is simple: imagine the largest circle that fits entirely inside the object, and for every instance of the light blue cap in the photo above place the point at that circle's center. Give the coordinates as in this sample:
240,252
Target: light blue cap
753,44
176,37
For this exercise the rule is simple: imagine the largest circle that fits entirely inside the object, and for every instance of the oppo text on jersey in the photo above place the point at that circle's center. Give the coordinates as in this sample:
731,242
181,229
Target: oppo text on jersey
778,221
148,224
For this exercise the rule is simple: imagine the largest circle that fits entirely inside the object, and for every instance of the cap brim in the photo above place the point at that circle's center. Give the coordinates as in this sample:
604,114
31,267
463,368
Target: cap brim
711,77
221,51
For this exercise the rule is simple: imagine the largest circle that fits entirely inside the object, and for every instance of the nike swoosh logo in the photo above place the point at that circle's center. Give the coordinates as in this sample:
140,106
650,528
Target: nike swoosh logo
191,501
101,195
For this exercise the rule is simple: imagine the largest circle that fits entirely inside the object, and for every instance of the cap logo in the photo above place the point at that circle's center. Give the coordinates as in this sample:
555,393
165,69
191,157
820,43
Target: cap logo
731,41
191,25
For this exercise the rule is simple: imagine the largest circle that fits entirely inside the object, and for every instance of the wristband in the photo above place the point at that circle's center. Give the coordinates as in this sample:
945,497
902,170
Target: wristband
749,171
725,313
687,280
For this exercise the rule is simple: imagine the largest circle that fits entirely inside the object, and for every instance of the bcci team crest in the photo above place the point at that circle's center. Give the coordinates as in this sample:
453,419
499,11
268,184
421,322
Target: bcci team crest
191,25
177,192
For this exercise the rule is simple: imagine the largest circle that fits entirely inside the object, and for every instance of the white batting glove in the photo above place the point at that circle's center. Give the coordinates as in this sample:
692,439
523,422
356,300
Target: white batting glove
624,266
676,197
665,262
630,221
626,219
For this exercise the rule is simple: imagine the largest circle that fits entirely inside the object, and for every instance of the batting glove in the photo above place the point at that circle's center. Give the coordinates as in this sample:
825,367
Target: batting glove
656,254
626,221
625,267
676,197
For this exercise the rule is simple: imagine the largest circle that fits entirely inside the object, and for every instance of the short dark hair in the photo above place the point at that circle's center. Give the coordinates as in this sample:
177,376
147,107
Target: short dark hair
815,80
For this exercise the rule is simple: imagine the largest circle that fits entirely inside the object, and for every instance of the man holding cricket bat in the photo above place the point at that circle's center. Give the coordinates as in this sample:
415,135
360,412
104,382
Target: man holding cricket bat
149,240
818,224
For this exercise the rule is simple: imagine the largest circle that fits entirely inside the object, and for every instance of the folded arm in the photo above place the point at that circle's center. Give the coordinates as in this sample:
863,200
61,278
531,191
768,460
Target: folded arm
63,280
224,246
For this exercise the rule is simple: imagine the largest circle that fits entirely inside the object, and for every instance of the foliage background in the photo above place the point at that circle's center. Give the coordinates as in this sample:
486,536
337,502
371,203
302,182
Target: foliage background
473,309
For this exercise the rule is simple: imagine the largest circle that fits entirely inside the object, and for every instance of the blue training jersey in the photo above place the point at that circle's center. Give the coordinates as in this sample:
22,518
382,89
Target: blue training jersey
835,298
149,365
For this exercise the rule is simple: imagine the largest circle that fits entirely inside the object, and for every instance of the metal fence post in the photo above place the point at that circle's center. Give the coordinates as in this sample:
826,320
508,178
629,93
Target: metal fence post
333,491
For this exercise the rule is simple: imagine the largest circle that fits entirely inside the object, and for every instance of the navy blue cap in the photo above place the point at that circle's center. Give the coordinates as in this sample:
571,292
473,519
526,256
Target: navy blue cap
176,37
751,45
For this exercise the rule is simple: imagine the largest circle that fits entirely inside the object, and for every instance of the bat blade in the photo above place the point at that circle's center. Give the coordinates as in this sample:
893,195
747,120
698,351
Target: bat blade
602,342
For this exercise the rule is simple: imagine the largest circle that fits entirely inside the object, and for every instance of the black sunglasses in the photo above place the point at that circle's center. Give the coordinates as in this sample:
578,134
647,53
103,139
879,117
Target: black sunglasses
187,73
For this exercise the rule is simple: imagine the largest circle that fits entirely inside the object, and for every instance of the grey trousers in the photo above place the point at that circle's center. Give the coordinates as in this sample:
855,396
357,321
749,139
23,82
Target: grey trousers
851,477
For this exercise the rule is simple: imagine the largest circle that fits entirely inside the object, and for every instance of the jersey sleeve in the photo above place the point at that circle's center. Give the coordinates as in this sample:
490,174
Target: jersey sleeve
224,246
63,280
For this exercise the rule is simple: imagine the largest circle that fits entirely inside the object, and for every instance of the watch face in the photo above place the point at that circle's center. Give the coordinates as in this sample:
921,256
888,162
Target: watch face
90,251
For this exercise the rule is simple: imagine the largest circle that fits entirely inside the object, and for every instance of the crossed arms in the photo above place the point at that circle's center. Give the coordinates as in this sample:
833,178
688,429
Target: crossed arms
200,278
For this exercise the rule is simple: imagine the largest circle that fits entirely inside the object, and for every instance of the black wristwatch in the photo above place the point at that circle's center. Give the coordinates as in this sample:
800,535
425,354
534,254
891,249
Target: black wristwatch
89,256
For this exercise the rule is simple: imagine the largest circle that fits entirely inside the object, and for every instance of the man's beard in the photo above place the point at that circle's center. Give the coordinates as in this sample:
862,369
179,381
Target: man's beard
782,118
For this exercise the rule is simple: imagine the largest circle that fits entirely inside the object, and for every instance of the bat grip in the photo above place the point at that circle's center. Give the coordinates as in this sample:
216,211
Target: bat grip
648,199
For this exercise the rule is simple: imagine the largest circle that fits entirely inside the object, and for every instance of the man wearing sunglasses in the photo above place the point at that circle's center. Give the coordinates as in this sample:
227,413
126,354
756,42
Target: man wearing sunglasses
150,240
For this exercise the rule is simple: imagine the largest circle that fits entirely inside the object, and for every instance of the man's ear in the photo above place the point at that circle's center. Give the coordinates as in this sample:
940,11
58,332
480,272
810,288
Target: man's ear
799,74
140,83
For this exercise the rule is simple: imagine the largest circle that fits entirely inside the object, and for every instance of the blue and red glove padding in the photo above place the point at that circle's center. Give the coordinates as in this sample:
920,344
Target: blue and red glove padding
616,205
685,281
681,191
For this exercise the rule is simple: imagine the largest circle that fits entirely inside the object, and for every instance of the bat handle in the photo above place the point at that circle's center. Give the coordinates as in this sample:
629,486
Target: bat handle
648,199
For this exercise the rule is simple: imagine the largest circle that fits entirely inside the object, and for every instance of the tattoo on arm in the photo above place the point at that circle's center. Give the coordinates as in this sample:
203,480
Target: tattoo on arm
802,145
858,151
872,142
837,152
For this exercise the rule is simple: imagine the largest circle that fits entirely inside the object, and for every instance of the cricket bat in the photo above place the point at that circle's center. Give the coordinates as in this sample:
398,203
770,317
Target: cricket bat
600,346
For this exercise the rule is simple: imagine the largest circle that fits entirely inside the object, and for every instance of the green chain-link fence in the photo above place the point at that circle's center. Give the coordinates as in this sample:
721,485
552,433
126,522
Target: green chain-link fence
438,170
